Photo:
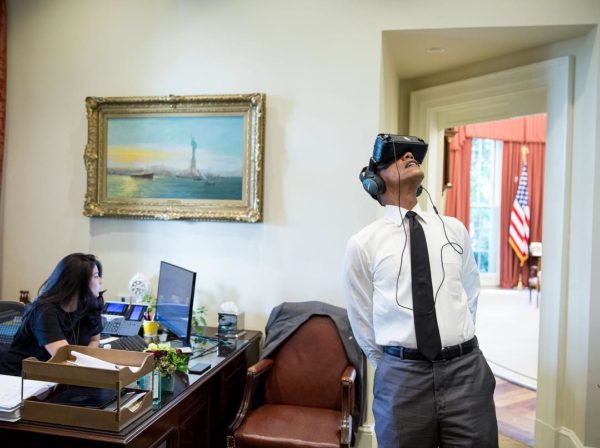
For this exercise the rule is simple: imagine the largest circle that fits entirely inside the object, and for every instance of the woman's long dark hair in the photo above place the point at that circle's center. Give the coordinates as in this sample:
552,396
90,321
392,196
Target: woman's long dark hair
71,278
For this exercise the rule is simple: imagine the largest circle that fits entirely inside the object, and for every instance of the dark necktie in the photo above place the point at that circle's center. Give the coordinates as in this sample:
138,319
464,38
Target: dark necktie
429,342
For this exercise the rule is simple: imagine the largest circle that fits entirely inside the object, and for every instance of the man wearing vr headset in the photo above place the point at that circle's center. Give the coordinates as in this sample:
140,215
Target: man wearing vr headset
411,287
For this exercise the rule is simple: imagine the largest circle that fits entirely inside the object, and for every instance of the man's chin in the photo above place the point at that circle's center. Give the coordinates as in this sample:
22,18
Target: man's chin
414,174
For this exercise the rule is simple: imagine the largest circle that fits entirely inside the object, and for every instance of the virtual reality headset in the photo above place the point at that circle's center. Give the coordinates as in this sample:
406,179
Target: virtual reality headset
389,148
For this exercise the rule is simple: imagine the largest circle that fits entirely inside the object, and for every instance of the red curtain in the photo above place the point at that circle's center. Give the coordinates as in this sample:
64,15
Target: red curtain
511,169
517,132
458,197
3,25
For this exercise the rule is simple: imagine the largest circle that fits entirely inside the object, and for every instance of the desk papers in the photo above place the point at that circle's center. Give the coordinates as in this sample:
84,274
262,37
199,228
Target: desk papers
10,394
84,360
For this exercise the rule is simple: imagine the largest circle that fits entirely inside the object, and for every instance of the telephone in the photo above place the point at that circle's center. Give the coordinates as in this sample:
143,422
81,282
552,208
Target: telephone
121,319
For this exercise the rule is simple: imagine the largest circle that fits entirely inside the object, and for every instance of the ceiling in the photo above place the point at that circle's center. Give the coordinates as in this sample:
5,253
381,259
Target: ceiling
409,49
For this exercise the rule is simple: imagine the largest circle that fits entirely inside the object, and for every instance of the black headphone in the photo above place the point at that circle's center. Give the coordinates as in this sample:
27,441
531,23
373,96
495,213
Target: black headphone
371,181
387,149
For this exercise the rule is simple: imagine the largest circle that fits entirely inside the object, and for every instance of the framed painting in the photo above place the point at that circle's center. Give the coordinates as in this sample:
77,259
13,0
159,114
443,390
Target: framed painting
176,157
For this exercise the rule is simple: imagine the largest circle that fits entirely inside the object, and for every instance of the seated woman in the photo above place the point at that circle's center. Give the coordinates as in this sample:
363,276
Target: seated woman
67,311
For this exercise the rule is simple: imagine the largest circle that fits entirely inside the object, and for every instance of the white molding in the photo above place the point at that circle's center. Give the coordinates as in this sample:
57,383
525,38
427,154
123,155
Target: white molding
546,436
542,87
366,437
568,438
506,94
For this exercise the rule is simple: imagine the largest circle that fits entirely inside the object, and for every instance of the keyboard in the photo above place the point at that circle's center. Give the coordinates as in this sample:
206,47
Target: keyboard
132,343
122,327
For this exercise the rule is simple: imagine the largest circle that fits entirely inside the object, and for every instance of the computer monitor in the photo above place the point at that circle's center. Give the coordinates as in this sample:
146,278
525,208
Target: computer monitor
175,300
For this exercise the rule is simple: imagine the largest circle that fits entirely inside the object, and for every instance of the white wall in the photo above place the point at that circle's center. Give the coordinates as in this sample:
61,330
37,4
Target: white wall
317,139
319,62
390,107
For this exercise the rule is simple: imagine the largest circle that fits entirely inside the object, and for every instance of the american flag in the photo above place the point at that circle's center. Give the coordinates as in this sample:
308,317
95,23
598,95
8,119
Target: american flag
518,234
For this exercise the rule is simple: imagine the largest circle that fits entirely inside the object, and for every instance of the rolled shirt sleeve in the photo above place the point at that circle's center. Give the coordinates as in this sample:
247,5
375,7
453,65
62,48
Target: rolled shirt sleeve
357,287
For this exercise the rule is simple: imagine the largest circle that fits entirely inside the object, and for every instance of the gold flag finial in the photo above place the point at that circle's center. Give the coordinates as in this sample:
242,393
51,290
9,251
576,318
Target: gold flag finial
524,152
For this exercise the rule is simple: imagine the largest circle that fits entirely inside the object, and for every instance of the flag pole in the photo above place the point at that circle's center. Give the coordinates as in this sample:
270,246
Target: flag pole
524,152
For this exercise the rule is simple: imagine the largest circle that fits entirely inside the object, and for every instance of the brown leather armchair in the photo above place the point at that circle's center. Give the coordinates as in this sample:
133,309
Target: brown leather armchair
300,397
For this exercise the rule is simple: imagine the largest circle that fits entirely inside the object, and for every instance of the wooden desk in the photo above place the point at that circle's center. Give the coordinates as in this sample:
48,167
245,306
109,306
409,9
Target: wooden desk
196,414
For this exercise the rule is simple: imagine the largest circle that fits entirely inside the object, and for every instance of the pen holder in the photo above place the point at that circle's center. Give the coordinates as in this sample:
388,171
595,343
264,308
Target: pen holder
150,329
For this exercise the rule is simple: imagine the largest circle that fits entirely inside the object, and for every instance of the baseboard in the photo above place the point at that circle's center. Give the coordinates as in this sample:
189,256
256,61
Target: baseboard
545,437
366,437
512,376
548,437
568,439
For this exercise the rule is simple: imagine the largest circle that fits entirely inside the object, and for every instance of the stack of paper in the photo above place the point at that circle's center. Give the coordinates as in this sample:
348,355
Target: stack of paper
84,360
129,400
10,395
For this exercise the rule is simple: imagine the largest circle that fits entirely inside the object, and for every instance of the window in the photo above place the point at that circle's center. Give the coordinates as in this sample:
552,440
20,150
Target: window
486,166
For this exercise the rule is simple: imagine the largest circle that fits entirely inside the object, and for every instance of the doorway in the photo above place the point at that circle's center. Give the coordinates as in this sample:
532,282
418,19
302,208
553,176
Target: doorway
502,164
536,88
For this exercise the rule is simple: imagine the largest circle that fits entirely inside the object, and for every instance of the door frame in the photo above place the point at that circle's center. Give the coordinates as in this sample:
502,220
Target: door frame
536,88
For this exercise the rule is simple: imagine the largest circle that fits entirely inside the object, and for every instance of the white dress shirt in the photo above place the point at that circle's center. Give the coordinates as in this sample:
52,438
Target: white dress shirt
371,266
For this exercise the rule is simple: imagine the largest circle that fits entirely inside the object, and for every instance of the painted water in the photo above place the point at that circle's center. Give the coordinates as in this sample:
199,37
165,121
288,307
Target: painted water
172,187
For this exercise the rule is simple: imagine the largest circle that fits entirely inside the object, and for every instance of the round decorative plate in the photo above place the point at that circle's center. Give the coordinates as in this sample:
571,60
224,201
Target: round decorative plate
139,286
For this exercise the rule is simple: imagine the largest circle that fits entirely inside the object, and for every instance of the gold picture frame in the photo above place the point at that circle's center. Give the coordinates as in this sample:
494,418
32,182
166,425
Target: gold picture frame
176,157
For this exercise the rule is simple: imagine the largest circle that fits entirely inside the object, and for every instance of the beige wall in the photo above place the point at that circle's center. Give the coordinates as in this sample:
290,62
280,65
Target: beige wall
320,63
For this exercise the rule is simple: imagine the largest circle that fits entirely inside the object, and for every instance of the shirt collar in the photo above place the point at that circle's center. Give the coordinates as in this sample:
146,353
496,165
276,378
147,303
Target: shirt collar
391,213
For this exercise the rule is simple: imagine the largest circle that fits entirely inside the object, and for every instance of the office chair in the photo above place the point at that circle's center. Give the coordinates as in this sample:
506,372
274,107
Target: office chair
10,321
10,309
302,395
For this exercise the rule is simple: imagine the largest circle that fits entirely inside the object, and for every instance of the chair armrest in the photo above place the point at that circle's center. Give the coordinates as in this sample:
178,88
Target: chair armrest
347,380
349,375
259,368
253,374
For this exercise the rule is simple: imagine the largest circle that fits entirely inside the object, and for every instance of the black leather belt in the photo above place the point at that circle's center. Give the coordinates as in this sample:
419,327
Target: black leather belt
447,353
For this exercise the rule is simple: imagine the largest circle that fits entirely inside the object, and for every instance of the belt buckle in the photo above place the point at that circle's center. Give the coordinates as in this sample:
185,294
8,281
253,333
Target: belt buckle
445,353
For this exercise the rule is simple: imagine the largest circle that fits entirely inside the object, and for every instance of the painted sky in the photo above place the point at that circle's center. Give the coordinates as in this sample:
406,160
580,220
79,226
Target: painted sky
140,143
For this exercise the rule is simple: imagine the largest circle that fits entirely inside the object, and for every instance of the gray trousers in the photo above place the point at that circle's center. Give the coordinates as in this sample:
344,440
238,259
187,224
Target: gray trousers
419,404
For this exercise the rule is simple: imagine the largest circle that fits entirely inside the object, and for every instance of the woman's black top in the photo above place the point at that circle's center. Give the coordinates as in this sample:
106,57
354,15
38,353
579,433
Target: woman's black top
45,323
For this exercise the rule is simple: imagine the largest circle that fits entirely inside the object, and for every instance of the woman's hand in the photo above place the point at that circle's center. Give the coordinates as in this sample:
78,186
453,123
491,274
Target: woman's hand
94,341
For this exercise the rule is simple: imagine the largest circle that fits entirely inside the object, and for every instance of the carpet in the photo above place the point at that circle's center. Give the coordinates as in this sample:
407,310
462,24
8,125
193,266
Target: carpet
508,332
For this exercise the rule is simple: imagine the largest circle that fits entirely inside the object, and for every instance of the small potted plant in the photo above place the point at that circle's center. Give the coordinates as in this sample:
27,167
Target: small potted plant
199,323
150,325
151,303
167,361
